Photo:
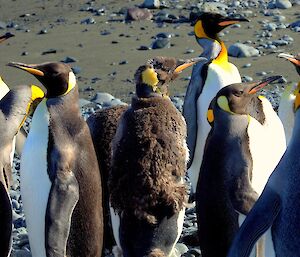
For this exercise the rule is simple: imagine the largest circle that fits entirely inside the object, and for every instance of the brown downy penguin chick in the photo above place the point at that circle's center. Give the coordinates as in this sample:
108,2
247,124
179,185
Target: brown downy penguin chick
60,178
15,106
231,172
147,192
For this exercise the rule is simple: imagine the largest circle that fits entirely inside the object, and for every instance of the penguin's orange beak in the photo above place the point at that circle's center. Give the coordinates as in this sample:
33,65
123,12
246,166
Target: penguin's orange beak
187,63
31,68
226,21
291,58
255,87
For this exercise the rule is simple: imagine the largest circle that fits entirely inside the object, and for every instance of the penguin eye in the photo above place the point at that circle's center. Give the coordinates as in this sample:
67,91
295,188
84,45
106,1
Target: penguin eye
238,93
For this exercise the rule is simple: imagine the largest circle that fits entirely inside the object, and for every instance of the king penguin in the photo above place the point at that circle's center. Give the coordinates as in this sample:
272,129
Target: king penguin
146,186
231,172
286,105
15,106
207,78
60,178
278,207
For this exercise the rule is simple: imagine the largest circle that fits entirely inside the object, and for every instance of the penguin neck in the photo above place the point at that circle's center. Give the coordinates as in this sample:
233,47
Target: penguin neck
144,91
222,58
211,48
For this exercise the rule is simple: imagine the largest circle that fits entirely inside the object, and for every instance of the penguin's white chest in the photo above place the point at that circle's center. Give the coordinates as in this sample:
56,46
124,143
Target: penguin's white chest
35,182
217,78
267,144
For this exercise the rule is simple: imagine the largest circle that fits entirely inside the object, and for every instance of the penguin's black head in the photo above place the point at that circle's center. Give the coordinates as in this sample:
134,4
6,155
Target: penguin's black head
56,77
208,25
6,36
154,77
294,59
241,98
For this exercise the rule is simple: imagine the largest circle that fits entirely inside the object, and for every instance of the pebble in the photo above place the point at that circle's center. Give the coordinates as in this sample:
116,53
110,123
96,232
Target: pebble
143,48
76,69
283,4
242,50
88,21
247,79
151,4
138,14
3,25
49,51
161,43
69,59
43,31
247,65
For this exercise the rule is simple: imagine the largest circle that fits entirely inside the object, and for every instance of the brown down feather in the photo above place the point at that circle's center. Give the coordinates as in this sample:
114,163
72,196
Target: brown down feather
149,160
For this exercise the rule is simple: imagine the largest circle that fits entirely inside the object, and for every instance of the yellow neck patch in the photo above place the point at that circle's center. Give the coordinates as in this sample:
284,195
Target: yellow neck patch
2,83
71,83
223,104
199,30
297,100
222,58
210,116
36,93
149,77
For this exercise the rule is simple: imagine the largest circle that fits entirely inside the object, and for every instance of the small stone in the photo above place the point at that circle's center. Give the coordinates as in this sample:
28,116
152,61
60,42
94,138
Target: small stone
247,65
151,4
20,253
283,4
50,51
247,79
88,21
25,53
76,69
43,31
295,24
3,25
138,14
271,27
189,51
123,62
69,59
105,33
161,43
261,73
83,102
242,50
164,35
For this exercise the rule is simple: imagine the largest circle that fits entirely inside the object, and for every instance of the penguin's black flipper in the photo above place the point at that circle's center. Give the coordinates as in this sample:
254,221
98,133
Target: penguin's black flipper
5,218
190,106
63,197
243,196
260,218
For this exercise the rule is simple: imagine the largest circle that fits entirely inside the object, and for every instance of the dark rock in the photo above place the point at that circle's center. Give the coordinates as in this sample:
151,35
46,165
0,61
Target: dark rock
69,59
151,4
50,51
25,53
123,62
88,21
283,4
76,69
161,43
43,31
105,33
143,48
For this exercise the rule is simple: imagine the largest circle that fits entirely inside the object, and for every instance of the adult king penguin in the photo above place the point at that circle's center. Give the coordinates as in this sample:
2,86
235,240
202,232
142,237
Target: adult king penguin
278,207
14,108
207,78
60,179
232,174
147,192
286,105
